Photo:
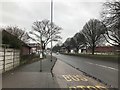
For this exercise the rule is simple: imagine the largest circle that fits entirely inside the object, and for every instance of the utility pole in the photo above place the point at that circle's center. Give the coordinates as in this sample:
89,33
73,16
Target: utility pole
51,25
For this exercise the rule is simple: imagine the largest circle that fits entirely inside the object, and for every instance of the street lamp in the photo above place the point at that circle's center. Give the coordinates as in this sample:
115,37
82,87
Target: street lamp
51,25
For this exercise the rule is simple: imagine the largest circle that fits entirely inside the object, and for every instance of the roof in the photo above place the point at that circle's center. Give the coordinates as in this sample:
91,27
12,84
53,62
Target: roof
12,40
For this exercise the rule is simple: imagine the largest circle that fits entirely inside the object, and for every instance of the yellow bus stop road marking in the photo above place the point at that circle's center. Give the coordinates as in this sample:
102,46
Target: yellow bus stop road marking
77,78
70,78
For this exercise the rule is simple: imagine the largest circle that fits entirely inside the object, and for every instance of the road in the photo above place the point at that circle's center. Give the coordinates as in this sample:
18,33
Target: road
69,77
103,70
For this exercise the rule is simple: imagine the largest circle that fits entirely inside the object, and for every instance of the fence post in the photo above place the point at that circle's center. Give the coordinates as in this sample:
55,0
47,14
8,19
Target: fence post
19,57
13,57
4,59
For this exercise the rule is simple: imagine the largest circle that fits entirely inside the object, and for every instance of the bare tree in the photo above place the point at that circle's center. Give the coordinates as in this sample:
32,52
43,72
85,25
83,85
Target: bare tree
111,18
93,32
56,48
67,44
79,40
19,33
42,30
25,37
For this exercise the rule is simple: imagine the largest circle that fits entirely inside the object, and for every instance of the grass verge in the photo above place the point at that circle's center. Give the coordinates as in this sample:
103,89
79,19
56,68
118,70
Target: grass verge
113,58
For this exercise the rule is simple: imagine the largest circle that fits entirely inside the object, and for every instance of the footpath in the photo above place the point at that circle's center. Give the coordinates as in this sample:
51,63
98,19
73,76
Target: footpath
29,76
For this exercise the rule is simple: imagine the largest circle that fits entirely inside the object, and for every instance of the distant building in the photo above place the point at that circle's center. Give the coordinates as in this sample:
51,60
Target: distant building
105,49
63,50
35,47
26,50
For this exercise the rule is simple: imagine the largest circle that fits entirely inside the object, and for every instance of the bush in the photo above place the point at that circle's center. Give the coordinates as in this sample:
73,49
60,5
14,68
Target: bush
29,58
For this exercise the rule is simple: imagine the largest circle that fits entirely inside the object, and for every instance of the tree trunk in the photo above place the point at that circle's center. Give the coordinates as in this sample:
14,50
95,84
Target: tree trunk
77,49
93,50
43,48
68,50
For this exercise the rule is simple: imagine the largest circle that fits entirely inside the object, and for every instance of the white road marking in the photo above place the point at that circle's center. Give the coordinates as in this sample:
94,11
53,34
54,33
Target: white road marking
103,66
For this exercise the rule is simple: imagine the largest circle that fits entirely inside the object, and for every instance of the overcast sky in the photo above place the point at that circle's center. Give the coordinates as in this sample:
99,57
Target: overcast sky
71,15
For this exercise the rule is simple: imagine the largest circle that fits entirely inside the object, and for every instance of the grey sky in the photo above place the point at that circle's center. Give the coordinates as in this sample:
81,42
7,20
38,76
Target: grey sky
71,15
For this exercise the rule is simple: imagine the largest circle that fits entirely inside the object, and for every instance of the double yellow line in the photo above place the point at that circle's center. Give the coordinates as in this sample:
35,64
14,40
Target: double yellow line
70,78
81,87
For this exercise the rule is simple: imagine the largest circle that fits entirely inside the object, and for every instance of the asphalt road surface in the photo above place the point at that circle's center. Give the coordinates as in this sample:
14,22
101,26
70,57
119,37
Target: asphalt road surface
103,70
69,77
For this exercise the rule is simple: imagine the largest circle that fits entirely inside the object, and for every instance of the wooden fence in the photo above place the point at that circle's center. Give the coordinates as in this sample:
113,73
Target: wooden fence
9,59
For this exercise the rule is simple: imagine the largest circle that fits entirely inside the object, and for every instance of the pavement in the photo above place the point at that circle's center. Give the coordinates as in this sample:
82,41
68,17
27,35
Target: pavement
29,76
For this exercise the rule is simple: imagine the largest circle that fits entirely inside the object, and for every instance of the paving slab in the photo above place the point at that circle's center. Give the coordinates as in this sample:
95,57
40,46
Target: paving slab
29,76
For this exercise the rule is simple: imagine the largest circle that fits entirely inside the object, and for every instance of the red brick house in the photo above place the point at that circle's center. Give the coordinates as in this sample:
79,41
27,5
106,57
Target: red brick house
25,50
106,49
35,47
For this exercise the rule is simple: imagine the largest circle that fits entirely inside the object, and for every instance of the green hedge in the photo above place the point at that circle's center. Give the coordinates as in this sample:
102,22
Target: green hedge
29,58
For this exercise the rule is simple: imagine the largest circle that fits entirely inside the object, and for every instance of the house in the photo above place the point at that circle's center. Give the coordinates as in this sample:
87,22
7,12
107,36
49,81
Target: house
15,43
26,49
35,47
105,49
63,50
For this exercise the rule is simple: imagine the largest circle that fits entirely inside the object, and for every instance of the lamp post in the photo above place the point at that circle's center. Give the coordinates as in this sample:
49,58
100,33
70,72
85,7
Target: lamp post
51,25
